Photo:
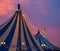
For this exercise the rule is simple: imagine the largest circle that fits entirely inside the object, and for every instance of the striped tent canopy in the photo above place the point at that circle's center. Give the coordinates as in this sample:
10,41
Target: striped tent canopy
44,42
15,35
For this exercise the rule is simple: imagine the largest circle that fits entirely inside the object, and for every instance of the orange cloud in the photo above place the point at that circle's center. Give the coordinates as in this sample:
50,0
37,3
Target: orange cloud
5,7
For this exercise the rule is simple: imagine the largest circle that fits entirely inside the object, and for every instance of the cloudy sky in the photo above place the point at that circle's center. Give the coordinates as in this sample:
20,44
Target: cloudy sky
39,14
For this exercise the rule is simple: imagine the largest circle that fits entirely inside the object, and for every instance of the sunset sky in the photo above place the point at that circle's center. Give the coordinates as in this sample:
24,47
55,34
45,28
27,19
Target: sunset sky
39,14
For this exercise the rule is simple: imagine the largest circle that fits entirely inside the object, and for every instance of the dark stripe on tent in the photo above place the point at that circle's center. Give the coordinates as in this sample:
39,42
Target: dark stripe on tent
26,40
5,28
18,43
19,36
9,38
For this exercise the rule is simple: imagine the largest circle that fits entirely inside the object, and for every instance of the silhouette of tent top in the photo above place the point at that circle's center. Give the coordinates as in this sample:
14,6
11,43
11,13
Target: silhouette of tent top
17,36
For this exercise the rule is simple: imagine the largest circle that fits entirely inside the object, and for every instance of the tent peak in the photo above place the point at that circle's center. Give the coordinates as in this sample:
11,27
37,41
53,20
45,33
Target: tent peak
19,7
38,32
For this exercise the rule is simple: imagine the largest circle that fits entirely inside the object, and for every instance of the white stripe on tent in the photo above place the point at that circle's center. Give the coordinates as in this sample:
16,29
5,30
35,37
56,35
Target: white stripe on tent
22,37
14,40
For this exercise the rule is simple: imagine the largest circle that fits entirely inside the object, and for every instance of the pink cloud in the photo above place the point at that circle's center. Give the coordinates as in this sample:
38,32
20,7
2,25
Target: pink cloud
5,6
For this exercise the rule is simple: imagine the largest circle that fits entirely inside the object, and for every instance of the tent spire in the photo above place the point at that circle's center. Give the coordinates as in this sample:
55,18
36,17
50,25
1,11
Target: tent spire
38,32
19,11
19,7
